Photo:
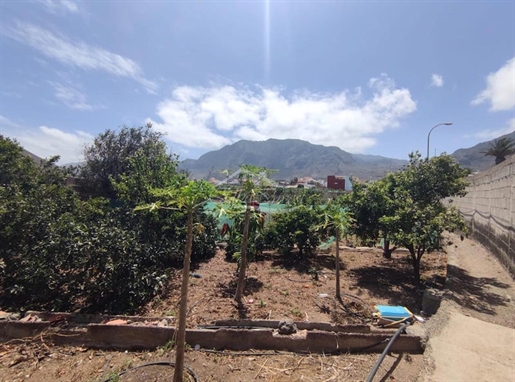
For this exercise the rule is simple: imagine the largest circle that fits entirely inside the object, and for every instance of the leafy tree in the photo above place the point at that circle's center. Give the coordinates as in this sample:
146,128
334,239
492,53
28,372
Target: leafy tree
406,207
500,149
419,216
368,203
113,155
295,227
189,197
60,253
337,222
143,174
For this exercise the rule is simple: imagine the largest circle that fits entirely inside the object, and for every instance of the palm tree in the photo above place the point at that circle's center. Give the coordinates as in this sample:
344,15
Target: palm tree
500,149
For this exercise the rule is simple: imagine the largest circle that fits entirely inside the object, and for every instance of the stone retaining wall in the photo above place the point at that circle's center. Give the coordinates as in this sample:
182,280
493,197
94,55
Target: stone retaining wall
489,209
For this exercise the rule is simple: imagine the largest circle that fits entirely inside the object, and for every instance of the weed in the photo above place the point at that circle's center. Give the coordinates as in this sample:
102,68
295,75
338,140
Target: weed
262,304
285,293
165,348
113,376
296,312
313,271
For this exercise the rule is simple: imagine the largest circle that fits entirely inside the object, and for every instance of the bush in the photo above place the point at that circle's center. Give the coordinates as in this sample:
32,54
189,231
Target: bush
60,253
294,228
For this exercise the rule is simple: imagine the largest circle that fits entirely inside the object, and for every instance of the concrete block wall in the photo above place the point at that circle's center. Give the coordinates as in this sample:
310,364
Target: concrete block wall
489,209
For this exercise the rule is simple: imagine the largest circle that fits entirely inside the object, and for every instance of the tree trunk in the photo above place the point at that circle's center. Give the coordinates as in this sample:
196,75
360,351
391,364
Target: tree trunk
387,251
181,331
337,267
415,260
387,254
243,257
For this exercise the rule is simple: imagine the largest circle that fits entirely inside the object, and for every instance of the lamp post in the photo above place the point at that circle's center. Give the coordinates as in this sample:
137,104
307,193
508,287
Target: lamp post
429,135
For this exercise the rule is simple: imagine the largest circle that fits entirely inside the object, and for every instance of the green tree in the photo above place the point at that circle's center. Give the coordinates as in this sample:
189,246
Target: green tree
336,221
114,157
419,215
295,227
189,197
368,203
500,149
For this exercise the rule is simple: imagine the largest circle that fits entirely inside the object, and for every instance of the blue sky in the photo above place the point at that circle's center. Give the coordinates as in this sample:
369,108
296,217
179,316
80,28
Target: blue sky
367,76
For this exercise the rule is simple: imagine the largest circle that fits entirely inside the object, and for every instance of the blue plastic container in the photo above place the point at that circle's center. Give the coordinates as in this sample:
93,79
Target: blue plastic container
394,313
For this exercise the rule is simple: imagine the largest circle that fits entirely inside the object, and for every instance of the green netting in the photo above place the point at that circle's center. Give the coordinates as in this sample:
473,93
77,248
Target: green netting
268,208
327,244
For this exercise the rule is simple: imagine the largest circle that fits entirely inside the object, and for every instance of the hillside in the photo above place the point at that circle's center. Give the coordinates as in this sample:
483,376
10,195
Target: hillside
473,159
291,158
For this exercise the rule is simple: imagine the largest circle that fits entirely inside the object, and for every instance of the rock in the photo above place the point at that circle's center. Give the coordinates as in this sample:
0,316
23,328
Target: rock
30,318
116,322
9,316
287,327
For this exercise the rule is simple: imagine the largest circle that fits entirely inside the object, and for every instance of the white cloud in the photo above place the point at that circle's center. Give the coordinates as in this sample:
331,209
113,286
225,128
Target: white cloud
437,80
47,141
494,134
500,88
71,97
77,53
211,117
54,6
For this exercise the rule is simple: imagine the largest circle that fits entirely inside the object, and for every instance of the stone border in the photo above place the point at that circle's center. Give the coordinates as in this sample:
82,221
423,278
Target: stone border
78,332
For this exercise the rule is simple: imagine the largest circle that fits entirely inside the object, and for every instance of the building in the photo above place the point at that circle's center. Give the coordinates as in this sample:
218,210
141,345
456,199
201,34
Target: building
335,182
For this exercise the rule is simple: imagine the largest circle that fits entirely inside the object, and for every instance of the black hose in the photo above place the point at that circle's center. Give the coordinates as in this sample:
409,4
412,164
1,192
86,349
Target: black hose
157,363
385,351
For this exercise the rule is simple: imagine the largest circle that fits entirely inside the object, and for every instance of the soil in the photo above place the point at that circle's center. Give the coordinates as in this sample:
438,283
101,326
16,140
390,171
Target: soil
276,288
303,289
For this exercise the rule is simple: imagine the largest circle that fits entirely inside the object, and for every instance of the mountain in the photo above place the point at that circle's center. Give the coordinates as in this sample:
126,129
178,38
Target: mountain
34,157
472,158
291,158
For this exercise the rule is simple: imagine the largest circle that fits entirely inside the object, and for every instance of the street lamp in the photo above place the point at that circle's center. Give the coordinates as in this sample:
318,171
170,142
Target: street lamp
429,135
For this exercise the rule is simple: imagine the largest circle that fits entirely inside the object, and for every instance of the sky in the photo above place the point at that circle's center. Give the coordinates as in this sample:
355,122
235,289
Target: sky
369,77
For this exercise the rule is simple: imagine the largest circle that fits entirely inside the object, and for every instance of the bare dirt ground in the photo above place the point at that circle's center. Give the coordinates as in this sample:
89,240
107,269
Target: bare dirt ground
279,288
276,289
472,336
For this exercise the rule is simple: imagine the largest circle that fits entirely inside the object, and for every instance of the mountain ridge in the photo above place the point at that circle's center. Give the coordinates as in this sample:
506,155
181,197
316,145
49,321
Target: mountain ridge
291,158
297,158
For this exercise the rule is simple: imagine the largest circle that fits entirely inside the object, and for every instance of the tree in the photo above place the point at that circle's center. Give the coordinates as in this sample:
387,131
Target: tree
419,216
114,154
368,202
252,179
144,173
294,227
189,197
406,208
337,222
500,149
